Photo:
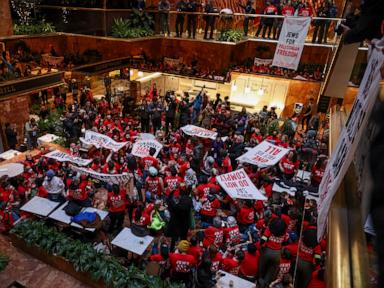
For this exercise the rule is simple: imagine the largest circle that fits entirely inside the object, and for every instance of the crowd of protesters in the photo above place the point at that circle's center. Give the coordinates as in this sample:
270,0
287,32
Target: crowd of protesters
199,229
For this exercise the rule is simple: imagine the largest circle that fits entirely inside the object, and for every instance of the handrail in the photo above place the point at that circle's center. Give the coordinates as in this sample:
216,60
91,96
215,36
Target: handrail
346,252
180,12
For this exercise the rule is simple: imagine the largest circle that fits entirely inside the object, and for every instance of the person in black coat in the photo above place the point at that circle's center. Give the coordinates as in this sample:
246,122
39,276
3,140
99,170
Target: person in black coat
180,210
170,111
11,134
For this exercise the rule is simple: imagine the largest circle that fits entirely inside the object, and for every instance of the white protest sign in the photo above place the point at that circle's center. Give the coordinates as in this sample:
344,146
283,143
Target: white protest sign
263,155
259,61
99,140
64,157
193,130
145,136
238,185
350,137
291,42
109,178
141,148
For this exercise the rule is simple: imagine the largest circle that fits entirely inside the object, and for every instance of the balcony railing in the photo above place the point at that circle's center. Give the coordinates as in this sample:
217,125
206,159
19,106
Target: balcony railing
99,21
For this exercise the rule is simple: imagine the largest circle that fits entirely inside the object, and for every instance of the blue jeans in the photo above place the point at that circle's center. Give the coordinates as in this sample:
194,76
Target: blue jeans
195,115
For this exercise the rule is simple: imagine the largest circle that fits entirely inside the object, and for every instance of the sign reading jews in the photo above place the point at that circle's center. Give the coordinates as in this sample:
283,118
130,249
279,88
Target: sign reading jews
291,42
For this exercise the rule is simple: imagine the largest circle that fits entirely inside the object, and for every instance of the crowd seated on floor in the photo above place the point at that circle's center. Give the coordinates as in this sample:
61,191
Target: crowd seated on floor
174,195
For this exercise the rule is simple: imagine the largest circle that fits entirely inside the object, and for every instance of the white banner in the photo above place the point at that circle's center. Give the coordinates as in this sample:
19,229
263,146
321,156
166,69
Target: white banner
145,136
193,130
100,140
109,178
171,62
265,62
349,137
238,185
64,157
141,148
263,155
291,42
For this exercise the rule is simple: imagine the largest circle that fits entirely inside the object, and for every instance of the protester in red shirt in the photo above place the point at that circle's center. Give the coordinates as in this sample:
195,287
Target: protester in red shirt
213,234
150,160
249,267
232,264
289,164
246,215
288,10
172,182
182,263
306,10
318,171
209,208
154,184
116,207
195,250
317,280
232,233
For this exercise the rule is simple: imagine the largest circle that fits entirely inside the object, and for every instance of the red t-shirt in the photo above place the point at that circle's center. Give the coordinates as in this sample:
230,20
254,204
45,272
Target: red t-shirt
288,166
181,263
308,254
246,215
317,174
203,190
274,242
292,248
305,12
42,192
284,267
250,264
213,235
144,219
149,161
196,252
232,235
210,208
230,265
226,166
116,203
316,283
216,262
153,185
77,194
288,11
171,183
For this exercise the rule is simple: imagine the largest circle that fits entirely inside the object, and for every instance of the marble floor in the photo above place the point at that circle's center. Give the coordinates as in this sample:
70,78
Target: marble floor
30,272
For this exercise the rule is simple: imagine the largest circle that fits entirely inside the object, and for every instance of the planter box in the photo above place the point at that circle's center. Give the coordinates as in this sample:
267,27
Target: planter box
55,261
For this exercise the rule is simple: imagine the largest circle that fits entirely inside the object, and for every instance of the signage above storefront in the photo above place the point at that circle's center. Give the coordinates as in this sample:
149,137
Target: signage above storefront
23,86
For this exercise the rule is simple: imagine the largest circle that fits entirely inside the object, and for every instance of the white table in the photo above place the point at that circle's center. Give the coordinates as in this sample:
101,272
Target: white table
223,281
126,240
103,214
47,138
11,169
60,215
9,154
39,206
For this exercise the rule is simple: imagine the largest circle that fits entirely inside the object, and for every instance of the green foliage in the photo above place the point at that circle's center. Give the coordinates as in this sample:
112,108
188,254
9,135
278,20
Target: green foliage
52,124
33,28
85,258
3,262
289,128
231,35
141,19
273,126
123,28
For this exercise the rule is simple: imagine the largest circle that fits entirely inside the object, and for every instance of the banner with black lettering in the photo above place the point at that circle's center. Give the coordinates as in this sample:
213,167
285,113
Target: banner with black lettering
238,185
350,136
64,157
193,130
141,147
100,140
263,155
291,42
109,178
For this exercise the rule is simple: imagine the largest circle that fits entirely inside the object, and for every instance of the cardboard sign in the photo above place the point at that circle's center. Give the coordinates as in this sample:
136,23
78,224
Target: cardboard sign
109,178
141,148
263,155
238,185
193,130
101,141
350,136
291,42
64,157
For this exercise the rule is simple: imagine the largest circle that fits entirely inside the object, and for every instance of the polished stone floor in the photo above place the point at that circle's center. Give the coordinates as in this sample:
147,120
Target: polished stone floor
30,272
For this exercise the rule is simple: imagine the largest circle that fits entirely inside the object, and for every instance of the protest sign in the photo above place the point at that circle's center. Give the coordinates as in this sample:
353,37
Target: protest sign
193,130
99,140
141,147
291,42
109,178
259,61
350,136
64,157
263,155
145,136
238,185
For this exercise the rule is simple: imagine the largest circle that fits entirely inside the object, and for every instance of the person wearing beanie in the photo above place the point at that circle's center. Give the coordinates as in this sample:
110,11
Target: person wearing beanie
231,232
246,216
209,208
272,240
309,253
182,263
232,264
214,256
214,234
172,182
154,184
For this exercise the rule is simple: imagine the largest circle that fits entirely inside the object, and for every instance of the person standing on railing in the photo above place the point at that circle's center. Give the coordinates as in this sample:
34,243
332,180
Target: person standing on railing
181,6
209,19
318,32
248,9
164,8
267,22
191,18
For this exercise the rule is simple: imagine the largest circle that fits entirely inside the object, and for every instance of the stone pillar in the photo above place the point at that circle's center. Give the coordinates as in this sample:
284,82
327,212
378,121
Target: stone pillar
6,19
